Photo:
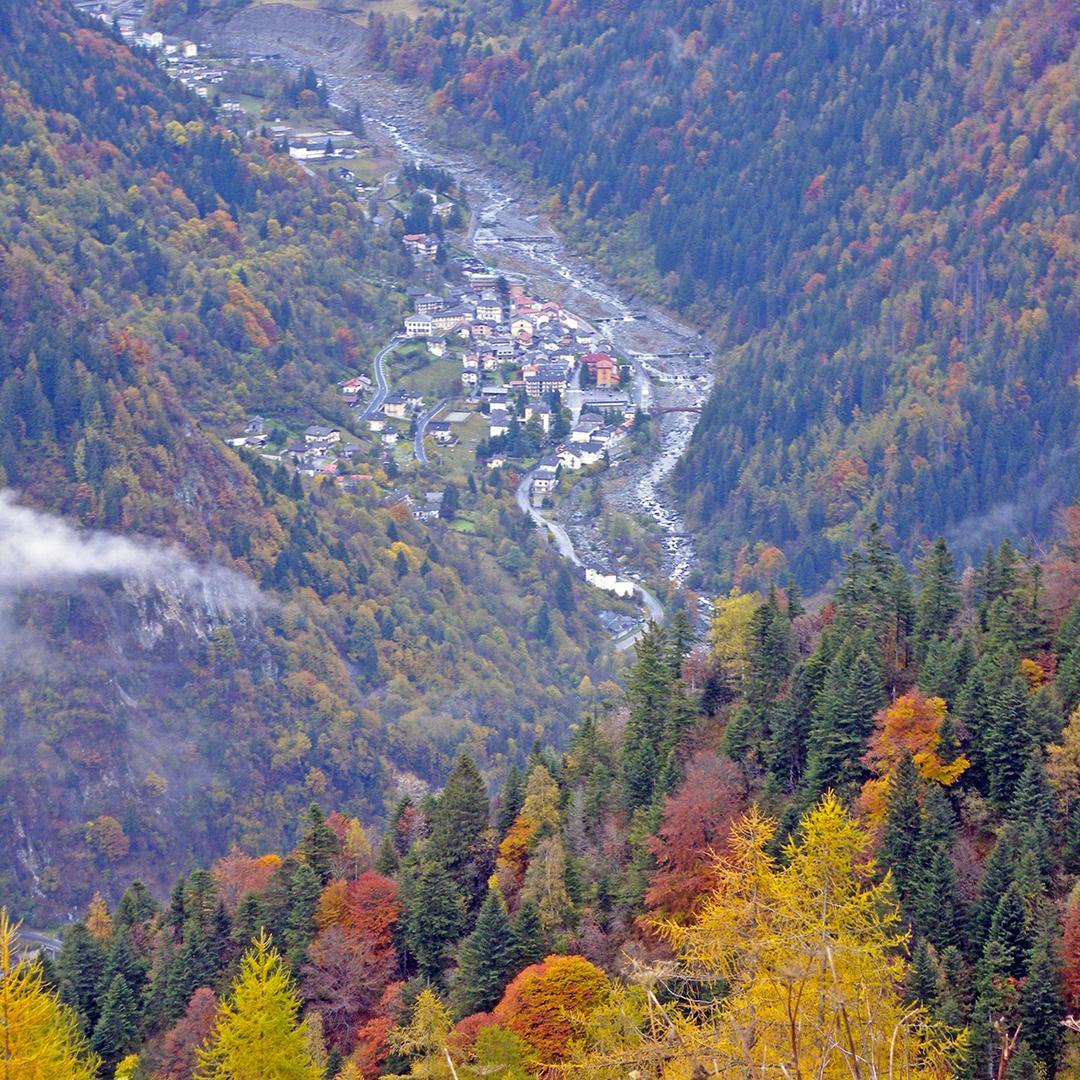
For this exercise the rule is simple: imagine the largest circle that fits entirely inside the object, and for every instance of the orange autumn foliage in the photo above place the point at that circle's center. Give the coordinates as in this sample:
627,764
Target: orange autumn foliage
910,725
238,874
541,1002
366,908
513,856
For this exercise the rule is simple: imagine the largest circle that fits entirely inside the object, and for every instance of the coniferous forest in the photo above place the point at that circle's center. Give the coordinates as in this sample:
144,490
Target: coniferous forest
322,793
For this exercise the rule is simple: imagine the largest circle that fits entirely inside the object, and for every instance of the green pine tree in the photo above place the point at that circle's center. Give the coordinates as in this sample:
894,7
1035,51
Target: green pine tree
527,937
513,795
939,598
485,959
79,965
304,898
922,980
436,915
320,845
900,833
1042,1004
116,1033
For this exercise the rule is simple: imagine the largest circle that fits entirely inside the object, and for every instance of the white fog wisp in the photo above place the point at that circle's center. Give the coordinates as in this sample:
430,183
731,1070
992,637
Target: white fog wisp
40,551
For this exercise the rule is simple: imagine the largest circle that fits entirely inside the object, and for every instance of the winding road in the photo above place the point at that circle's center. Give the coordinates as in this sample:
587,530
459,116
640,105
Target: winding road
565,547
382,387
30,940
421,429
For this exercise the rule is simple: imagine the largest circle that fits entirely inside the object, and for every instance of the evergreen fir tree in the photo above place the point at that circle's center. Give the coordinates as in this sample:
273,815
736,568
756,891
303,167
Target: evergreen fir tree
459,823
922,981
1042,1004
248,920
320,844
117,1031
680,640
136,906
79,965
1008,929
935,905
939,599
938,675
485,958
386,861
304,898
122,961
853,693
648,693
998,870
900,833
527,936
953,998
1006,741
1033,800
192,967
436,915
513,795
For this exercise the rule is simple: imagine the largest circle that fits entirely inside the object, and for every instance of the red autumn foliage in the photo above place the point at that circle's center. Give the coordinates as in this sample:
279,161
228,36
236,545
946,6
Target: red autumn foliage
539,1004
189,1033
465,1031
366,908
372,1037
238,874
344,980
1070,958
696,822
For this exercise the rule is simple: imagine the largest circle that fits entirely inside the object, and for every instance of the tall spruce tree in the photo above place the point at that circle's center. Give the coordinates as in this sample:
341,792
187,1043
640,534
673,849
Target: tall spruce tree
459,829
435,918
649,694
1042,1003
116,1033
843,720
938,601
511,798
900,833
527,936
485,958
79,965
319,845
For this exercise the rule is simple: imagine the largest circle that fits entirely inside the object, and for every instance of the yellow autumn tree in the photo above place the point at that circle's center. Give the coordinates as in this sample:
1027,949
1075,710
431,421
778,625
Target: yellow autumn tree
424,1039
39,1037
257,1035
729,633
810,953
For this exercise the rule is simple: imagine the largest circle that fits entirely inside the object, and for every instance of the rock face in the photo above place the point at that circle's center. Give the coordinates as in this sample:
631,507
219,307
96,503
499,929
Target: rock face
275,28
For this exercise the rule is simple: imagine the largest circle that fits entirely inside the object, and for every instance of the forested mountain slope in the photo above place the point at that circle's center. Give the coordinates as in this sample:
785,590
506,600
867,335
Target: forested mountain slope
159,282
823,836
875,208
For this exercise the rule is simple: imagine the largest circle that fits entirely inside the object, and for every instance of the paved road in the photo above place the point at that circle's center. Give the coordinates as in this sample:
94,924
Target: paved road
421,429
562,539
382,387
565,548
34,939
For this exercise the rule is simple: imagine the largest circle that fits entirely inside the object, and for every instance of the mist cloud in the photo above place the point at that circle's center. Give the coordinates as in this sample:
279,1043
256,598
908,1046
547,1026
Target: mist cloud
42,552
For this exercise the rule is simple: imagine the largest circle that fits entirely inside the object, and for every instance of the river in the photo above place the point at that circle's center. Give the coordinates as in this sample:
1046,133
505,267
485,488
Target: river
511,231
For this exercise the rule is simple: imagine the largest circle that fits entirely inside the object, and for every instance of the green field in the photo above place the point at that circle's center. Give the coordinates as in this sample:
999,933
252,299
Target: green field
412,367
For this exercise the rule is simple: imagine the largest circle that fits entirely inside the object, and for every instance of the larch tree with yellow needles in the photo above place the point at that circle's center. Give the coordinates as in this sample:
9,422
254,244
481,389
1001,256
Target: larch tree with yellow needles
258,1034
791,970
39,1036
